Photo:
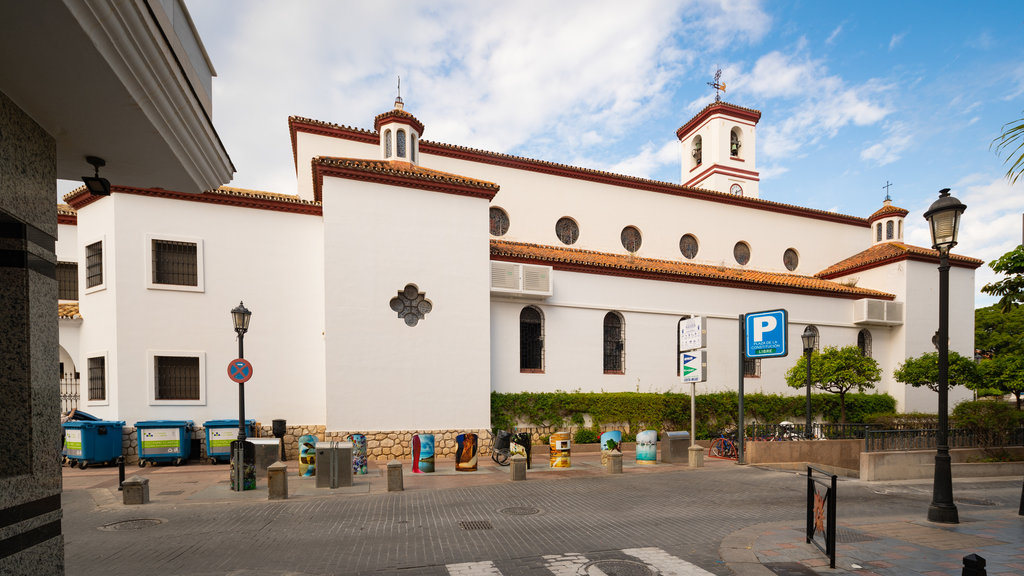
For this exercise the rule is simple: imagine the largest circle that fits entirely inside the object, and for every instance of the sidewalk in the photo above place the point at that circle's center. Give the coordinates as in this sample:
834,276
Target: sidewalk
884,545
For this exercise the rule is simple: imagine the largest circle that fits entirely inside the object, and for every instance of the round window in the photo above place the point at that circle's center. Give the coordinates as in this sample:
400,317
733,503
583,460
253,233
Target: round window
567,230
790,259
630,238
499,222
688,245
741,252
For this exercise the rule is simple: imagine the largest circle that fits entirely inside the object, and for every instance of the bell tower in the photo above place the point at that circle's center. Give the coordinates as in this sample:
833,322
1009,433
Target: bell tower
718,149
399,133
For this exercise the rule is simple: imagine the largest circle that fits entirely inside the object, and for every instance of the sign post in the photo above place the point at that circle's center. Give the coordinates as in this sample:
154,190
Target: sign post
693,361
762,335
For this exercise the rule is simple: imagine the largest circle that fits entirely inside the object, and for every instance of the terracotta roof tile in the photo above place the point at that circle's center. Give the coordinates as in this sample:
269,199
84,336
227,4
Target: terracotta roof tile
406,170
245,193
620,264
65,210
748,113
68,310
396,113
888,252
888,210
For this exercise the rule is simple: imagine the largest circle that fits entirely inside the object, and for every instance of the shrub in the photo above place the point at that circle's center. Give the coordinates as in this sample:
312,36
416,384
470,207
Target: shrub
586,436
992,422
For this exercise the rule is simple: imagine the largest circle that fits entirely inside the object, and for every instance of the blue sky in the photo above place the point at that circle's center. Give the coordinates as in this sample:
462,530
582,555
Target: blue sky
852,94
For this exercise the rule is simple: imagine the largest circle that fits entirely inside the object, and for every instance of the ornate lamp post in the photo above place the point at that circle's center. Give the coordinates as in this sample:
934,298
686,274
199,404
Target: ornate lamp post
240,456
810,340
944,222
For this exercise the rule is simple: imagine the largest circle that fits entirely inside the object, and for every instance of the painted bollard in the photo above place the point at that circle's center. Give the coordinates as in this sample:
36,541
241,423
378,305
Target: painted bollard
465,452
560,450
307,455
521,446
358,452
610,440
423,453
647,447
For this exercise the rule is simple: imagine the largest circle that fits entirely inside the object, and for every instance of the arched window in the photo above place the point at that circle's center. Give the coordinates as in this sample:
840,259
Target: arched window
401,143
888,230
878,232
864,342
412,148
387,143
531,340
899,229
696,152
734,143
614,344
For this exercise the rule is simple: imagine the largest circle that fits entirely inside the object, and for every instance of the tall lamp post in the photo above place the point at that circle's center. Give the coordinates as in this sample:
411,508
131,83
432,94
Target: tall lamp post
944,222
240,316
810,340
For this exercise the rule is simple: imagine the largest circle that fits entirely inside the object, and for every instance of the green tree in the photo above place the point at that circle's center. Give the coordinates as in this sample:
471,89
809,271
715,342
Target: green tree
999,338
924,371
1011,288
836,370
1012,141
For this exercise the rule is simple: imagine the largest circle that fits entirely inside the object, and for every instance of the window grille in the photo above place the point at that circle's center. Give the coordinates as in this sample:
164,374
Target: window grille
688,246
567,230
98,378
177,377
864,342
67,280
387,143
94,264
751,367
175,263
631,239
614,344
531,340
741,252
888,230
400,143
499,221
878,232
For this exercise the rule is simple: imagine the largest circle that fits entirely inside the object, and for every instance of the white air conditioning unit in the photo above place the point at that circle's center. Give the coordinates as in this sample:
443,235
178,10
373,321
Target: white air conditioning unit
877,312
526,280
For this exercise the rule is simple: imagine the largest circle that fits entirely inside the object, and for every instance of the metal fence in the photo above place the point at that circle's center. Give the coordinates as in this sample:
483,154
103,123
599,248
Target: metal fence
894,440
69,392
794,431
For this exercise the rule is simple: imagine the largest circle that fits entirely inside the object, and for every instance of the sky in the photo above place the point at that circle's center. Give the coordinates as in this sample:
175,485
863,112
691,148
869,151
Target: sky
853,95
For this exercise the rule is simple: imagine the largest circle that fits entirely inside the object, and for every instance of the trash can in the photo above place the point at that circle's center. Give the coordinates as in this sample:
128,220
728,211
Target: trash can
220,434
675,447
560,450
92,442
647,447
423,453
465,452
267,451
333,464
610,440
164,441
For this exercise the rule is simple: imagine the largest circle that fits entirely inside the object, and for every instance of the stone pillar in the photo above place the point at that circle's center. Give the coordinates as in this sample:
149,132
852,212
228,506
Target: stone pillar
395,476
136,490
30,432
277,481
614,465
696,456
518,467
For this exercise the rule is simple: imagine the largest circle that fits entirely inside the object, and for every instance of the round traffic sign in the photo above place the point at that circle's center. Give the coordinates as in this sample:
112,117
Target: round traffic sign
240,370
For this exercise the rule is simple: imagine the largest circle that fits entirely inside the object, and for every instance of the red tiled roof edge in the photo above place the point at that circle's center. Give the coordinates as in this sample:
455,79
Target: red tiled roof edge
407,118
68,310
889,253
739,111
231,197
67,215
398,174
886,211
566,171
500,251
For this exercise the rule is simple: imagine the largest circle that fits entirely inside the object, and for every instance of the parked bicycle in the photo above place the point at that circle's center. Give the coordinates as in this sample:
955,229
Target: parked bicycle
724,447
501,448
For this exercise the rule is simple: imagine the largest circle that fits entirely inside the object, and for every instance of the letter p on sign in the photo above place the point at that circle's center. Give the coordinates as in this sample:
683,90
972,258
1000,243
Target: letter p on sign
762,325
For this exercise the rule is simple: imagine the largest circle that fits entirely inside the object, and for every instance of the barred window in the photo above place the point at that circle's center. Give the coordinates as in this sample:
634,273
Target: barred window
400,143
888,230
67,280
98,378
614,344
751,367
94,264
387,143
531,340
864,342
878,232
177,377
175,263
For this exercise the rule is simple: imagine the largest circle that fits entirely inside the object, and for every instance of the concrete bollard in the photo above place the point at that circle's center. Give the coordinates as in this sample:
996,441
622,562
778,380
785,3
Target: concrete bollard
518,467
614,465
974,565
277,481
395,476
696,456
135,490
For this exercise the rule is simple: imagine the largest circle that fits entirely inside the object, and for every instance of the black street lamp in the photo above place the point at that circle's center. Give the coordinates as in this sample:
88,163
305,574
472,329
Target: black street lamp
944,222
810,340
240,316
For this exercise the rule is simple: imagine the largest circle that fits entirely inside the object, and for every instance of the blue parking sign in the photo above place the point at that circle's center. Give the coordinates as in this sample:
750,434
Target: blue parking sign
766,334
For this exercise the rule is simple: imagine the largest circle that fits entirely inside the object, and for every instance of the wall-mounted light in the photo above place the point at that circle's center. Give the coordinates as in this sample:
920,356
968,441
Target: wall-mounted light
97,186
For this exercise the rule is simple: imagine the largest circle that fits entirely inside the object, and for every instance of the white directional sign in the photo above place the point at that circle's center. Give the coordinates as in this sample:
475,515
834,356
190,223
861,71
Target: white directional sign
692,366
766,334
692,334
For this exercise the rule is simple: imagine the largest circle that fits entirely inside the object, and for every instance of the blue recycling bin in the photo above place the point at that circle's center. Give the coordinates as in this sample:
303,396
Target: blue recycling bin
167,441
92,442
220,434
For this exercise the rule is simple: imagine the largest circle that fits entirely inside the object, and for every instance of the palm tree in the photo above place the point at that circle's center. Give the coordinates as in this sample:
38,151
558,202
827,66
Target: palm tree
1012,141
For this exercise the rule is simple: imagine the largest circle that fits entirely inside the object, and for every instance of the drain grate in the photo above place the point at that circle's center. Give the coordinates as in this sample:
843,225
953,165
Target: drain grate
975,501
618,568
475,525
134,524
519,511
846,535
171,493
789,569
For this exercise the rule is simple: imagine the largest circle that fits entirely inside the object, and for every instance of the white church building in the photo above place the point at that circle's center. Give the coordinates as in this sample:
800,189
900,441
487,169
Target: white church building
382,303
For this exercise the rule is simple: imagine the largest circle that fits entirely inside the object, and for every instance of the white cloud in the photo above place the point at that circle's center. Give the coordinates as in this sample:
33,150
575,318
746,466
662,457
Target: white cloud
896,40
650,158
898,138
835,33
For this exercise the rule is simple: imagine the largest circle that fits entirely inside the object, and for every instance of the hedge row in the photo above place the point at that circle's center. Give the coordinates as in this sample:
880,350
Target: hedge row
671,411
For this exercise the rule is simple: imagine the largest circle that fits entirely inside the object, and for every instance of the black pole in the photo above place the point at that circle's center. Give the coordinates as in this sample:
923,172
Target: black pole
743,354
120,473
942,508
241,391
807,426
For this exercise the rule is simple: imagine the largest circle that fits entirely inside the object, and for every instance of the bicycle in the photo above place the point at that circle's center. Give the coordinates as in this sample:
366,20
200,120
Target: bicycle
502,449
723,447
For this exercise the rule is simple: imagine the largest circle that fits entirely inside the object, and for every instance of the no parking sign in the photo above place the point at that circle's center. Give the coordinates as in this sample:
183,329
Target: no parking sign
239,370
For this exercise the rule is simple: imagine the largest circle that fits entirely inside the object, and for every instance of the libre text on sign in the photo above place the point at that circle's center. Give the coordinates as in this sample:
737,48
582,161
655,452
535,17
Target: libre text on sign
766,334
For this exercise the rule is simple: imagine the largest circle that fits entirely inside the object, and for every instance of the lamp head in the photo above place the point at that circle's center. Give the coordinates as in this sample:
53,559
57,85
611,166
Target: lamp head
809,339
240,316
97,186
944,221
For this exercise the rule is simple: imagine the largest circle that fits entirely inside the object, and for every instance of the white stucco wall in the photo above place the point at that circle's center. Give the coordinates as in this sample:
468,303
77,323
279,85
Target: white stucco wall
380,373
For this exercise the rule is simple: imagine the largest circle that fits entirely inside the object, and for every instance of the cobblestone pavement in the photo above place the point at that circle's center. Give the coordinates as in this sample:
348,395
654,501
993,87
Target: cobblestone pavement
651,520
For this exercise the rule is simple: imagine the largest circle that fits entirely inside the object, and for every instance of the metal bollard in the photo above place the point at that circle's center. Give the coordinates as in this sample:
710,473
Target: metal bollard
974,565
395,476
120,473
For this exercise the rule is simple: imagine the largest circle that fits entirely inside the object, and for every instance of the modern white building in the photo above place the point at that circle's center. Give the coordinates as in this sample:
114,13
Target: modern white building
381,304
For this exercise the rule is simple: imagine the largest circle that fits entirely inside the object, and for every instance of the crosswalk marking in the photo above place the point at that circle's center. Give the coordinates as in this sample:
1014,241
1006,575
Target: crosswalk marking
576,564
